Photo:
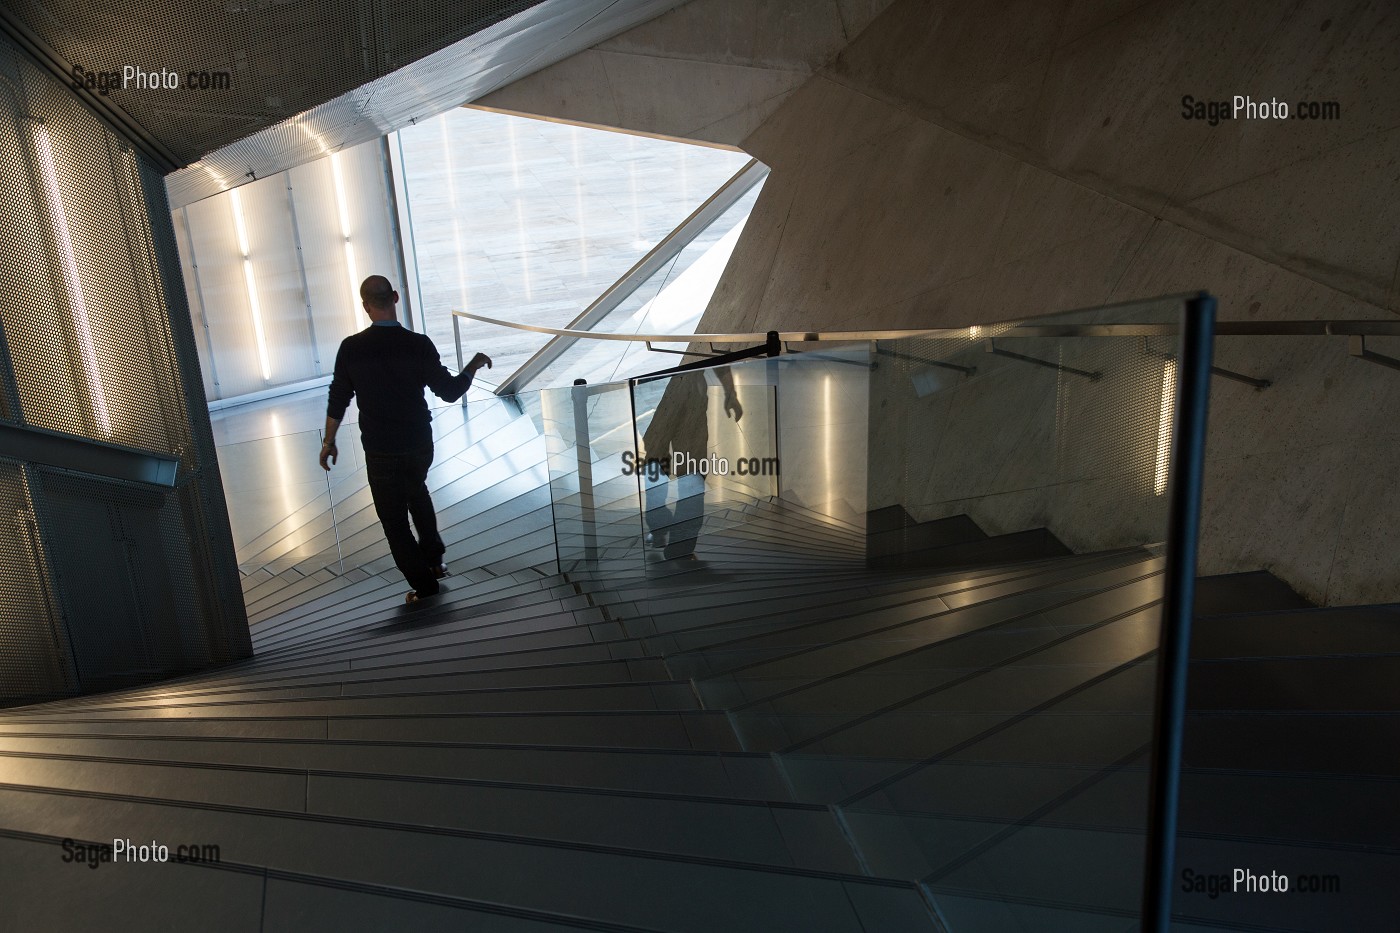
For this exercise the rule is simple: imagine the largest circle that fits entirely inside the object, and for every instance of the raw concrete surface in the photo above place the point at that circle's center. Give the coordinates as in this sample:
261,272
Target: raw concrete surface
939,163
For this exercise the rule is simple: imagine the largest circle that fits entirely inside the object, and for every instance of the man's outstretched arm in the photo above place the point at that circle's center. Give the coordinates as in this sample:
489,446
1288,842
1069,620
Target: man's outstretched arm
448,387
341,391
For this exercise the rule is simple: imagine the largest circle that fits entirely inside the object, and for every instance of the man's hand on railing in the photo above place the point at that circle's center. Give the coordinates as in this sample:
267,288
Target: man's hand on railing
732,407
478,361
328,452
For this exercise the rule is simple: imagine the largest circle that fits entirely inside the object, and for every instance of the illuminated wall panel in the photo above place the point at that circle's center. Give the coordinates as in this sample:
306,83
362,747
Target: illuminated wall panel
301,265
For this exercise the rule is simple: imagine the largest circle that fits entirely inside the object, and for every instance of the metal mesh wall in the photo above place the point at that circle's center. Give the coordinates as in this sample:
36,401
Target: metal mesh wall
89,351
33,647
281,58
123,569
98,344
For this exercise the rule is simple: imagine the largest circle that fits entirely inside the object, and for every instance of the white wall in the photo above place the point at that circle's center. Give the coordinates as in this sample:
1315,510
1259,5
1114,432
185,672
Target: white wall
306,299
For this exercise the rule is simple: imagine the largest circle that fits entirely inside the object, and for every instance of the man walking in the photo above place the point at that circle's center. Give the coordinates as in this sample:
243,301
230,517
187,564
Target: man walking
387,367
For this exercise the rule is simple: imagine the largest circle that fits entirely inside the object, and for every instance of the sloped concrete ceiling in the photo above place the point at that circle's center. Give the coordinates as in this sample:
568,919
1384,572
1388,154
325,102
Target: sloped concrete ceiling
963,162
711,70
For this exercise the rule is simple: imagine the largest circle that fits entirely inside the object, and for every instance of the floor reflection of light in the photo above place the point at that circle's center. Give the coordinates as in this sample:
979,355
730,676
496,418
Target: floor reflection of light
524,248
284,469
637,240
578,205
514,152
69,262
452,206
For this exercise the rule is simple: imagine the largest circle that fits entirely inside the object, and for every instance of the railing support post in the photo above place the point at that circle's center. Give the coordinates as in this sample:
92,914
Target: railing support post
457,339
583,452
1178,603
1356,346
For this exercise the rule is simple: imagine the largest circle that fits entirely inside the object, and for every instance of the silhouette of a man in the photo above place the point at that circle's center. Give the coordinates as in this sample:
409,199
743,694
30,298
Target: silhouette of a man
387,367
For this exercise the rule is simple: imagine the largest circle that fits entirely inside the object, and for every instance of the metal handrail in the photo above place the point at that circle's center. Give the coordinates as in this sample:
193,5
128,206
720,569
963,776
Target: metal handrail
1349,328
787,336
1355,330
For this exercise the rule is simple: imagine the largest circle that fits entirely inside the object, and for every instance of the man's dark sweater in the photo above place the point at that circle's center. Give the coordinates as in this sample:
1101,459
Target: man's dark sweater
387,366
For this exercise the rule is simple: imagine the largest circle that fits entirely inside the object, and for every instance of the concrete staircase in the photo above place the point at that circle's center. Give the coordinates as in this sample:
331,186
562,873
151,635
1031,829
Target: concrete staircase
777,736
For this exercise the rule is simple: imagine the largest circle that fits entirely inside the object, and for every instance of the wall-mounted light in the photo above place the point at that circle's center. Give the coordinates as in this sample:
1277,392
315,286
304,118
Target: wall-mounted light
344,212
1164,427
253,305
58,217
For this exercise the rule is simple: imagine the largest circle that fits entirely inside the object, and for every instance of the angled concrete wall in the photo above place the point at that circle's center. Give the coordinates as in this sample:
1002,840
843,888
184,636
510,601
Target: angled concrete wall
961,163
711,70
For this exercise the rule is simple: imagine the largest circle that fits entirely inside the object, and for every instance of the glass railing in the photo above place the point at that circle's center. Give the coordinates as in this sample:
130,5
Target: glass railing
1026,474
997,745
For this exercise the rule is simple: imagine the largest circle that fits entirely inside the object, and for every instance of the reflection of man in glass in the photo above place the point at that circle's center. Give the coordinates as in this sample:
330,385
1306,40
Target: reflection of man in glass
679,436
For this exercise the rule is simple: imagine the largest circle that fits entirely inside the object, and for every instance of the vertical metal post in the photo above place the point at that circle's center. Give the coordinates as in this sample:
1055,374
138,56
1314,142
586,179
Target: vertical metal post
457,339
330,500
301,270
636,454
583,451
395,233
775,348
1183,527
199,296
402,179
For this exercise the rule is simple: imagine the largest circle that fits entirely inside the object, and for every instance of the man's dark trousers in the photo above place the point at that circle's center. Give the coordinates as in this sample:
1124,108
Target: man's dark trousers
398,485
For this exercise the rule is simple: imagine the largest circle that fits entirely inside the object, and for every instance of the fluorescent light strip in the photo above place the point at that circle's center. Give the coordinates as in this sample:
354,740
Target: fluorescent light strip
1164,427
354,275
344,211
69,262
340,195
253,305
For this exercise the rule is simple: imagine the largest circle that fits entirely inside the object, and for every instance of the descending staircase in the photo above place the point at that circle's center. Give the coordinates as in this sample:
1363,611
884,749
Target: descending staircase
774,737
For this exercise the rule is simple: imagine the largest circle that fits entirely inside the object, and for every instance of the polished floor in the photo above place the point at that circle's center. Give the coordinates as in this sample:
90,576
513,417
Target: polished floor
530,221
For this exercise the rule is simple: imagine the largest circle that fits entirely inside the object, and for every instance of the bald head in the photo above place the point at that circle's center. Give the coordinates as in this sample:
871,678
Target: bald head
379,298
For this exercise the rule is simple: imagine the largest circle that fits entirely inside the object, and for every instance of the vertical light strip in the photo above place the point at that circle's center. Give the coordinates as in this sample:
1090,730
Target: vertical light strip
69,262
828,441
1164,427
253,306
344,211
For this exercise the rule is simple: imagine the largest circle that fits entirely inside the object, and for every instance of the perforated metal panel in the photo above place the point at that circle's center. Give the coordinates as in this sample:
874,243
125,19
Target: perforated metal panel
98,344
89,348
122,566
436,72
281,58
33,649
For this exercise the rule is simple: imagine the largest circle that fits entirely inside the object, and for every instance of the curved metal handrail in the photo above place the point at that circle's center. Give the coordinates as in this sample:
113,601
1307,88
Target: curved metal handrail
788,336
1369,328
1356,330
